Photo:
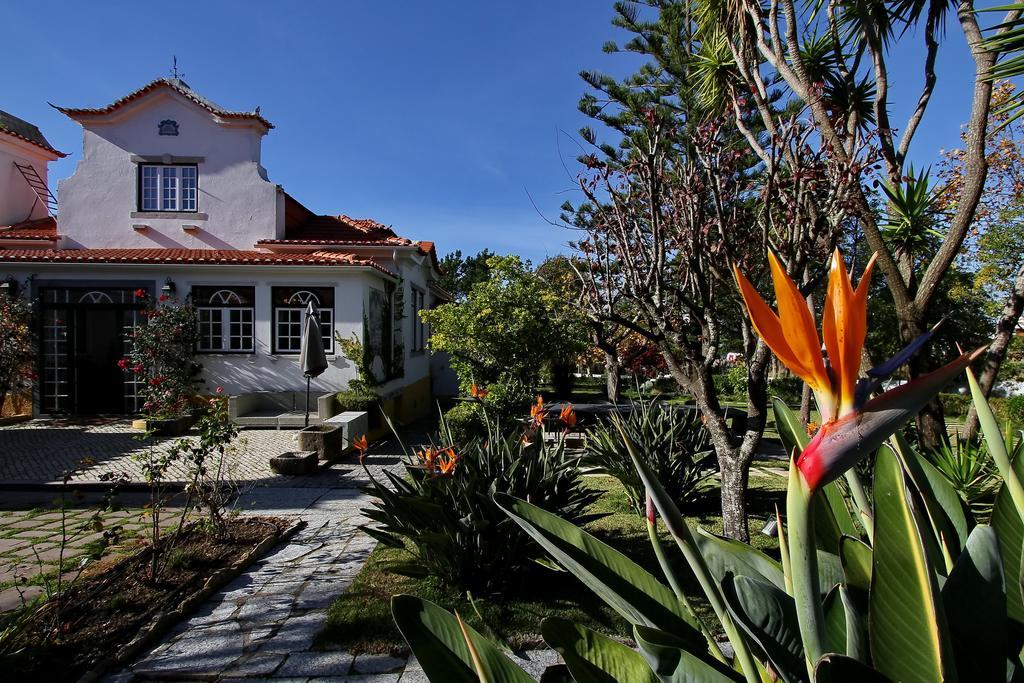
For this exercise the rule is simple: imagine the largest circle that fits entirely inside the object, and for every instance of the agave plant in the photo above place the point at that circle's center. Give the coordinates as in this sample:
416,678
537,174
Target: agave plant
671,441
911,588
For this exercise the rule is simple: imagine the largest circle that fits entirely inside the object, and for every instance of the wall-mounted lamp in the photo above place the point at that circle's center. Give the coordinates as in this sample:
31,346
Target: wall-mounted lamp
168,287
9,286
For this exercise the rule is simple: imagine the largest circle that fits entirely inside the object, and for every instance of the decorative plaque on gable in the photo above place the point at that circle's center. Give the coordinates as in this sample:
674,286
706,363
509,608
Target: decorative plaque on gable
168,127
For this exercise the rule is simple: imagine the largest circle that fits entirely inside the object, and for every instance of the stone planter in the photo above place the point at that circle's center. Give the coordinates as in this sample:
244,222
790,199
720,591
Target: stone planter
295,462
327,440
174,426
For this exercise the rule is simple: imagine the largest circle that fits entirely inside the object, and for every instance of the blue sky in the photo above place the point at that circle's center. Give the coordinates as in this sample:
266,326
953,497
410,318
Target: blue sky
441,119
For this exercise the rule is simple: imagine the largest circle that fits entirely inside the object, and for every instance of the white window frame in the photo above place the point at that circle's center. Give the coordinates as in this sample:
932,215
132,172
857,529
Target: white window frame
225,317
419,328
164,187
293,313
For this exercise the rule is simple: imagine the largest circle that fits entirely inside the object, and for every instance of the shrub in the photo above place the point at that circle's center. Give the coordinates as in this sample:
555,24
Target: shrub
162,351
444,513
1010,409
788,388
732,382
673,443
465,421
954,404
17,345
508,327
355,399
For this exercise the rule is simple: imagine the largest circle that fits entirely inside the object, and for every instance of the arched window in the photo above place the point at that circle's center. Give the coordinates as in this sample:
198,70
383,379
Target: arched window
290,305
225,297
226,317
95,297
302,298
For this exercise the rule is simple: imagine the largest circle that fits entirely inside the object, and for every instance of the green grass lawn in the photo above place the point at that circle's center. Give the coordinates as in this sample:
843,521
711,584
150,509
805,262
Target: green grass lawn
360,620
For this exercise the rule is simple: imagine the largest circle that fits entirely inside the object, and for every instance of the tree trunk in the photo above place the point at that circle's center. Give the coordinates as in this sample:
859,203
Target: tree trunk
805,404
1005,327
613,376
931,425
734,498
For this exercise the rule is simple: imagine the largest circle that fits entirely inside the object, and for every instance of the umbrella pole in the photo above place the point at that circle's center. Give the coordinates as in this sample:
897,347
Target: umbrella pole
307,401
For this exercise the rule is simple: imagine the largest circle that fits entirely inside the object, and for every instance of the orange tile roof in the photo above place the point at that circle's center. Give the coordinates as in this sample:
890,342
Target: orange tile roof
43,229
175,84
227,257
341,230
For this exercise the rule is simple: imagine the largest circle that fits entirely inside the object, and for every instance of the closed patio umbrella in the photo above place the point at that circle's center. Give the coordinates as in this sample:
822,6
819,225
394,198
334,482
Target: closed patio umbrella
312,358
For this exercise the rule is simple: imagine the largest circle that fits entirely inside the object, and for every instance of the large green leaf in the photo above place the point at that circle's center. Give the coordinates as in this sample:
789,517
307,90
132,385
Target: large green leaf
627,587
839,669
944,507
1010,530
909,638
767,614
830,570
845,624
592,657
1012,485
791,430
726,556
436,639
974,597
857,560
672,663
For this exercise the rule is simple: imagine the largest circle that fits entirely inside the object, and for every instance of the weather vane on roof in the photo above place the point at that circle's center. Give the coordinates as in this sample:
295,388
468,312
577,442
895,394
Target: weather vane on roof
174,69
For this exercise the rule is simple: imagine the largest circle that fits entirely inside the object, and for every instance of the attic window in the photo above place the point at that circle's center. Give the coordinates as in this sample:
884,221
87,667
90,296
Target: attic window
168,127
168,188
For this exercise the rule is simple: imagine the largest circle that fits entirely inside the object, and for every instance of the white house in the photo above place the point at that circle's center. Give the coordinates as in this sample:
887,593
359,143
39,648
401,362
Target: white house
170,196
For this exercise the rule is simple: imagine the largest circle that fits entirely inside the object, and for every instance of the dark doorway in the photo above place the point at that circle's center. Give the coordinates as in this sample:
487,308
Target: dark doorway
99,382
83,333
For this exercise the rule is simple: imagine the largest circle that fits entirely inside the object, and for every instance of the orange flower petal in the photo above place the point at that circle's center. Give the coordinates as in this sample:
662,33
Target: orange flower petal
797,321
766,323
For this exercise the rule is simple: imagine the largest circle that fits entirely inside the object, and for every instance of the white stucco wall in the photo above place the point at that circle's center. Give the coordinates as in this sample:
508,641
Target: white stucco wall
97,202
237,372
17,200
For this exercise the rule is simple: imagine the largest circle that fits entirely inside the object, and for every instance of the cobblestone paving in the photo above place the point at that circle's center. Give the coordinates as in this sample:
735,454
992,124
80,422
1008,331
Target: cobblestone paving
41,450
30,544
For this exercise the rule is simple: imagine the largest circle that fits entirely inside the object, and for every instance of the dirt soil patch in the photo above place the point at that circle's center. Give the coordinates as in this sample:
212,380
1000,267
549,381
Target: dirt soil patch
104,611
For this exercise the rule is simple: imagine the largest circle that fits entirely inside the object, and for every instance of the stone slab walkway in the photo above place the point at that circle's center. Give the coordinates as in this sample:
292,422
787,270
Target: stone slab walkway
40,451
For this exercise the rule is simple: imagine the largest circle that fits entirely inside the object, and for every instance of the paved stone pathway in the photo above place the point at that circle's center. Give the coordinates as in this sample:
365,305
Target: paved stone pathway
30,544
41,450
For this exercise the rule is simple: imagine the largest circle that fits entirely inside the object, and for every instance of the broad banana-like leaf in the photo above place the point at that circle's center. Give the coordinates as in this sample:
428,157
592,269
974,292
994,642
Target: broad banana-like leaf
726,556
685,541
834,668
592,657
857,561
830,571
624,585
1010,530
996,445
846,624
672,663
437,640
909,635
944,507
768,615
974,597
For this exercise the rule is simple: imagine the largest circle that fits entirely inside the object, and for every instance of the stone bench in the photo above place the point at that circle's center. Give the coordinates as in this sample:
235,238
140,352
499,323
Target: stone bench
279,409
353,424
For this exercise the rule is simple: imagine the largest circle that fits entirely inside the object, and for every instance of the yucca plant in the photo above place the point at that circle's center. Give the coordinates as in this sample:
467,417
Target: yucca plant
969,469
671,441
910,588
